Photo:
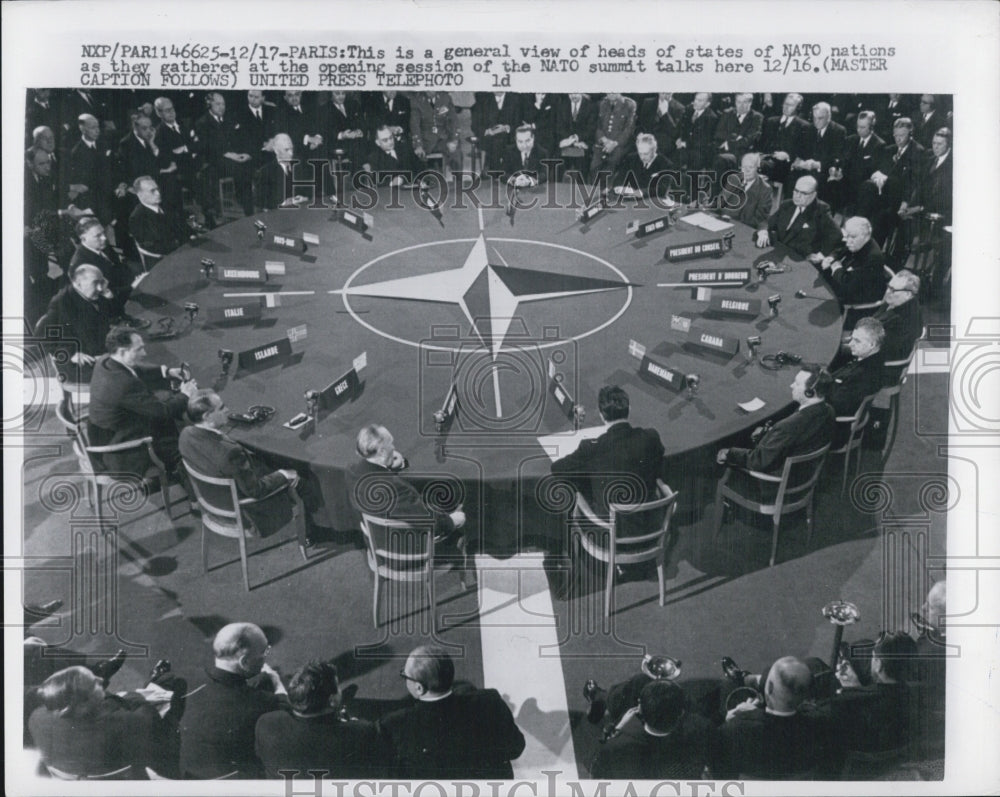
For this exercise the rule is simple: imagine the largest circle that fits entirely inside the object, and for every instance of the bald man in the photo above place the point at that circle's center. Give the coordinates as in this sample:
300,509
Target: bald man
772,739
802,224
217,732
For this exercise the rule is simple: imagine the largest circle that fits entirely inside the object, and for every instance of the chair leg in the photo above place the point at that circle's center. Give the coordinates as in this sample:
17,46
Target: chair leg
609,587
430,599
659,575
809,519
774,541
847,463
99,506
890,434
165,492
463,572
717,522
375,600
204,549
243,560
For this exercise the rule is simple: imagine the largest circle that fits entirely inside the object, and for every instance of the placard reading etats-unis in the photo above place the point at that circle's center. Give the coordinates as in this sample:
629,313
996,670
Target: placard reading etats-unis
286,243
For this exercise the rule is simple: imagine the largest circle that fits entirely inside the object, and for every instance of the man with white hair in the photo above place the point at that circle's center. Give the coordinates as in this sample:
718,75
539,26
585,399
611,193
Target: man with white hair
737,133
824,150
861,375
643,172
856,271
217,731
747,196
784,139
275,179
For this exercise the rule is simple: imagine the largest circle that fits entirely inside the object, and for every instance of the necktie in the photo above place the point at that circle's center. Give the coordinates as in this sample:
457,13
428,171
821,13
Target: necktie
524,158
740,119
284,168
175,128
576,109
256,112
795,215
392,154
696,115
784,119
389,105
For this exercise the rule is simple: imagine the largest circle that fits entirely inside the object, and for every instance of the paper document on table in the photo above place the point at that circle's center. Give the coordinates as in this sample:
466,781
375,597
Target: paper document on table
751,406
158,696
558,446
706,222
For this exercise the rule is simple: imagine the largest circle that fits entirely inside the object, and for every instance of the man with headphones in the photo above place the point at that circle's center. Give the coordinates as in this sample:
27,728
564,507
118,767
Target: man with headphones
807,429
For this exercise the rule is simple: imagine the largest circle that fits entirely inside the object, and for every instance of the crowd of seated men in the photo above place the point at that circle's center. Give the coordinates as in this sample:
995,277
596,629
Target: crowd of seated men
884,158
880,703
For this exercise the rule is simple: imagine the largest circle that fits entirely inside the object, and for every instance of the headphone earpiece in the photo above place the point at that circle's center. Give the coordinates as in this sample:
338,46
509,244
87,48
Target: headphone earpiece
810,390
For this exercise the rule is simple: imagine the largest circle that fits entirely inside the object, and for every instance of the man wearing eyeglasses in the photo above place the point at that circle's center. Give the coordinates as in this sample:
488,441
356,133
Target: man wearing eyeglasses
900,315
856,271
217,732
449,732
81,312
802,223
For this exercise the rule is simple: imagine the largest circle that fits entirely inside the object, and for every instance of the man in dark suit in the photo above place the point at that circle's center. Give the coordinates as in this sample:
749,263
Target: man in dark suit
539,111
157,230
379,470
522,162
94,250
695,140
316,734
772,740
860,375
217,731
78,102
209,450
257,123
643,172
40,112
390,161
808,428
784,139
576,120
303,124
130,400
613,133
882,195
747,198
861,158
900,317
449,733
40,202
890,108
176,141
738,132
276,180
802,223
92,176
658,740
933,190
221,151
345,129
928,120
856,272
82,313
624,460
824,149
495,117
661,115
392,109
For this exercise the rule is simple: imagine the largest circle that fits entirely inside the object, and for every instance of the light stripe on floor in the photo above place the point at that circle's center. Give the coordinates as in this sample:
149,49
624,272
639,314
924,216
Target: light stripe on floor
516,622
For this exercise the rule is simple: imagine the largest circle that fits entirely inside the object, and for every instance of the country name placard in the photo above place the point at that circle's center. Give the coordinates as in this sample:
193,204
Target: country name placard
234,314
744,308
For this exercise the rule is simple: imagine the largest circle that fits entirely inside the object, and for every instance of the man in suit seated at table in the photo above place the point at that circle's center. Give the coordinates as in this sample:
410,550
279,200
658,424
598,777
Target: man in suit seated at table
217,732
900,317
209,450
860,374
449,732
620,466
275,179
643,173
576,118
130,399
807,429
747,198
379,469
659,739
391,160
317,734
802,224
523,162
856,271
158,231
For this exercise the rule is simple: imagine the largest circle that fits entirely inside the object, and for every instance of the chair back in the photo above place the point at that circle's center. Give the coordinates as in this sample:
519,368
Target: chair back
219,502
76,427
855,425
147,258
798,480
398,550
651,517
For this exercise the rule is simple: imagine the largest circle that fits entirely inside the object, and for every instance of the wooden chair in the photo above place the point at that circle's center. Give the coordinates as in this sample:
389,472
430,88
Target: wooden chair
403,551
602,540
855,425
854,312
101,483
890,394
788,498
76,395
148,260
222,514
124,773
474,157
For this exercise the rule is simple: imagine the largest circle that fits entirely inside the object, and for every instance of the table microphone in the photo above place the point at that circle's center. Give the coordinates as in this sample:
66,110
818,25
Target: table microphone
191,308
773,302
208,267
693,382
226,359
753,343
261,228
801,294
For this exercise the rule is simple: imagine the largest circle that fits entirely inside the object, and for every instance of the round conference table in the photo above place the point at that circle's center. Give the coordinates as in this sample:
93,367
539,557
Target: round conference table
488,302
